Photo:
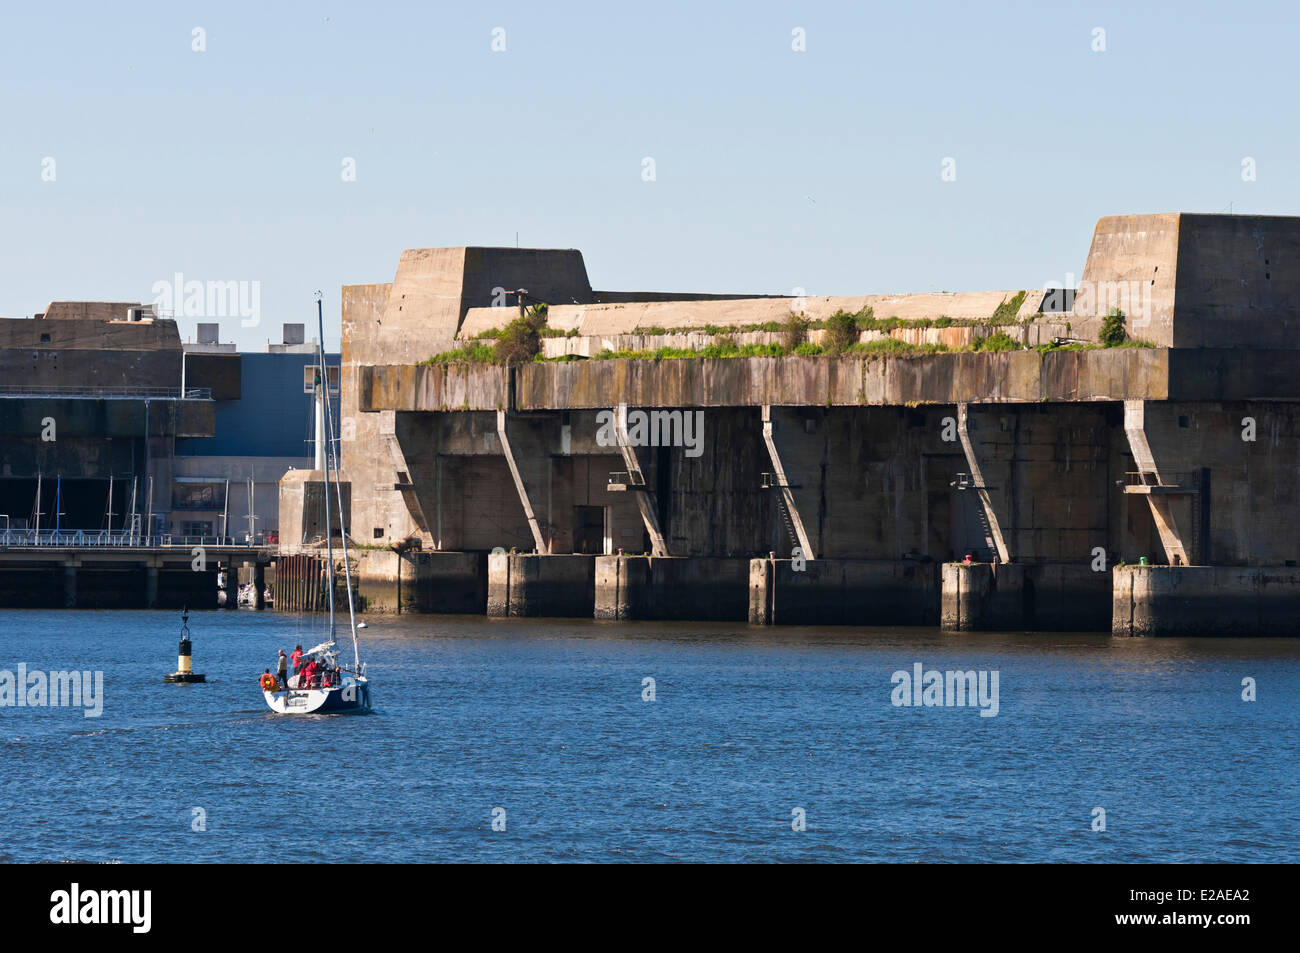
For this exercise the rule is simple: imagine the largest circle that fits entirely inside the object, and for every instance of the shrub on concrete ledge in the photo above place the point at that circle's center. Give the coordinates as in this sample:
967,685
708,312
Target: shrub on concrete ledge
521,340
1001,341
794,331
470,354
1112,332
841,332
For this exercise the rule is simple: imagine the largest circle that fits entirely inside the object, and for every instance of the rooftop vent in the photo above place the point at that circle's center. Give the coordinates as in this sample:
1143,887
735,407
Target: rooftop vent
294,333
209,333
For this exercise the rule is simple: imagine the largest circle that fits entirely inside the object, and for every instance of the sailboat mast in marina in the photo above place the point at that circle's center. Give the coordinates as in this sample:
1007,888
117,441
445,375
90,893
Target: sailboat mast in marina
319,683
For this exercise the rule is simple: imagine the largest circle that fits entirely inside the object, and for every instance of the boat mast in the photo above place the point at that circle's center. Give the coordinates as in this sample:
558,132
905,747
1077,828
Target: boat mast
38,505
329,529
338,493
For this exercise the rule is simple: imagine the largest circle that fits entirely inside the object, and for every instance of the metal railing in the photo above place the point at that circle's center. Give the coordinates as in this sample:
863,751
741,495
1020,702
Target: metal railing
39,390
103,539
1169,479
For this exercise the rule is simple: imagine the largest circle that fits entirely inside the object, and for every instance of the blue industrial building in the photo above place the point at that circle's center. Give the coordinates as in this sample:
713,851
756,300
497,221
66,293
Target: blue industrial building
264,426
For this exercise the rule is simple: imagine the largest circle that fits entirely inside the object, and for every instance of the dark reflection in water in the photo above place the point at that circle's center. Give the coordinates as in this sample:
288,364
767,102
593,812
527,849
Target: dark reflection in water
545,719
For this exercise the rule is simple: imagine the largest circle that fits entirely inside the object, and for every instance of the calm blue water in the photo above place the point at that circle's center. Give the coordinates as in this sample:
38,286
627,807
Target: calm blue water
545,719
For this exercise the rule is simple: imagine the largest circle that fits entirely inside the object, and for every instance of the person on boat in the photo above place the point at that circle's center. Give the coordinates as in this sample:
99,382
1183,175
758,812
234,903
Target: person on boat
267,681
282,669
297,659
309,674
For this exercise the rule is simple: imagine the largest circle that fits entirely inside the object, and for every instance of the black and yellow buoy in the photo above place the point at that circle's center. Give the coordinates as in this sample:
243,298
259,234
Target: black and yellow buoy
184,668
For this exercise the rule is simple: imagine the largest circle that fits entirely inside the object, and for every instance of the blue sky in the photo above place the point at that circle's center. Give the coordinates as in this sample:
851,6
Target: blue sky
774,169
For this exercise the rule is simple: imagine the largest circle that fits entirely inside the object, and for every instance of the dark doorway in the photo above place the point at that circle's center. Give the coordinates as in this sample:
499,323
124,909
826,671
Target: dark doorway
589,530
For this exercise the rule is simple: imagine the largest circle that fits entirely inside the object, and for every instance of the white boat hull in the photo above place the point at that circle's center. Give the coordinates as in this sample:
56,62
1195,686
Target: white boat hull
353,695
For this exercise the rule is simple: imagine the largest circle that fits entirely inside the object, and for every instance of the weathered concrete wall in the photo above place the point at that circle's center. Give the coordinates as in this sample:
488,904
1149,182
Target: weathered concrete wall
843,592
553,586
868,482
430,387
302,511
99,311
1239,284
1206,600
446,583
468,500
649,587
1247,490
1005,377
25,416
434,288
1206,281
1130,253
78,353
367,458
625,316
1016,376
1051,597
551,275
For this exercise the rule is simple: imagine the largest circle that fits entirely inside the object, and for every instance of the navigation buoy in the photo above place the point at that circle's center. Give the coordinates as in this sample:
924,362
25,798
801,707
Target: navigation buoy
184,668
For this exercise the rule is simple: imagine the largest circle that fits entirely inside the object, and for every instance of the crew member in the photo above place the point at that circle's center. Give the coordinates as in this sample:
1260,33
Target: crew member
282,670
267,681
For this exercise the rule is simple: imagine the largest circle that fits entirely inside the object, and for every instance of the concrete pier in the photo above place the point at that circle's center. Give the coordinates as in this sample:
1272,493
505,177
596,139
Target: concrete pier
843,592
160,577
1206,600
448,583
1050,597
532,585
683,588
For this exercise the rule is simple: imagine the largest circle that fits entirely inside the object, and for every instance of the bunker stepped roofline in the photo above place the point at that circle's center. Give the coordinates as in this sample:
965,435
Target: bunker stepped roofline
1141,489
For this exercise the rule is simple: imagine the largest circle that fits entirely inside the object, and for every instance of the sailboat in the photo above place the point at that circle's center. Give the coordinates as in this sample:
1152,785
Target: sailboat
336,689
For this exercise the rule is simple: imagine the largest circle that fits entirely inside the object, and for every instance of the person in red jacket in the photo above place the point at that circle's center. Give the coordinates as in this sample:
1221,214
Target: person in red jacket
296,658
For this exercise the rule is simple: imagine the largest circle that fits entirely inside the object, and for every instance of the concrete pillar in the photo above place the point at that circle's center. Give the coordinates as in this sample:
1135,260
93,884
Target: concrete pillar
151,587
259,583
965,590
762,591
622,584
70,586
